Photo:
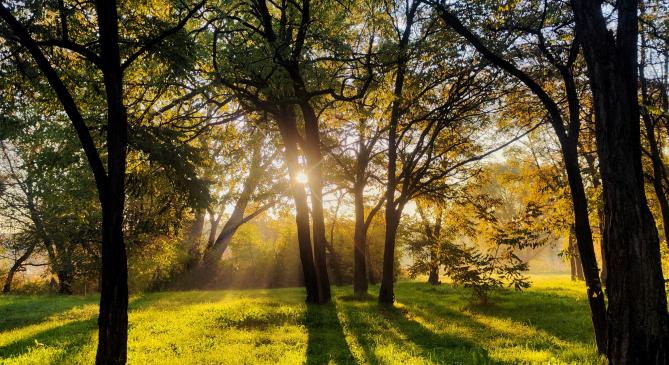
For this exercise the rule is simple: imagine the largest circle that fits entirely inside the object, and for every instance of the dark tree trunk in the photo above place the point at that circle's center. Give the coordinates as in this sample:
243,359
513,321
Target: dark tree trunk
587,261
290,136
655,153
113,319
360,244
433,278
314,160
386,292
638,325
596,183
568,143
64,282
15,267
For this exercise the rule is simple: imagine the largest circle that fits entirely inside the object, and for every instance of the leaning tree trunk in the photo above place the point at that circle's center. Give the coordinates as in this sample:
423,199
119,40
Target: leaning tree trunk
568,144
15,267
289,134
216,248
638,324
587,259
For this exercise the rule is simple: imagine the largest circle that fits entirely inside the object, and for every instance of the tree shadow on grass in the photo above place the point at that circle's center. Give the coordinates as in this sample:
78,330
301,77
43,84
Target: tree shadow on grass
17,311
375,327
327,342
441,348
70,338
559,316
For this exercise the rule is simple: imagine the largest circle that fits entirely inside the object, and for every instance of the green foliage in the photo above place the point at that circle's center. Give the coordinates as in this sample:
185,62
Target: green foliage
484,272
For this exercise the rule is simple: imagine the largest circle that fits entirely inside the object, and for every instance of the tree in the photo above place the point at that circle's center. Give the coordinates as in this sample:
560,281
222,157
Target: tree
355,164
110,181
287,83
638,323
567,134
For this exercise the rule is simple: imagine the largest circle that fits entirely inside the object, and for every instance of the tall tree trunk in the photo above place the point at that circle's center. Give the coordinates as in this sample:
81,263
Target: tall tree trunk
113,318
314,160
596,183
655,153
16,266
290,136
386,292
586,249
638,324
359,237
568,143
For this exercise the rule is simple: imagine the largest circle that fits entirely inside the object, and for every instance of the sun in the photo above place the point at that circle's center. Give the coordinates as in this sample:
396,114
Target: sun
301,178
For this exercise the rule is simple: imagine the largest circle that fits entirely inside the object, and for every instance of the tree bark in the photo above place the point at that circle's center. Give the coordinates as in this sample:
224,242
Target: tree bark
655,153
314,160
290,136
638,324
113,318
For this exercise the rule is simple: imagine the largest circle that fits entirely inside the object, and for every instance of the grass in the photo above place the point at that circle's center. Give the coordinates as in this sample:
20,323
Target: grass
428,325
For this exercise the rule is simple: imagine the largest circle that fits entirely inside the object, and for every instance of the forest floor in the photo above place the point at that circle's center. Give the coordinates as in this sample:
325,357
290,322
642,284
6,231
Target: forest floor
429,325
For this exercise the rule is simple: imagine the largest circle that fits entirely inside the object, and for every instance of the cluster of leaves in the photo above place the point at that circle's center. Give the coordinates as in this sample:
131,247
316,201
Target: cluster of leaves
482,271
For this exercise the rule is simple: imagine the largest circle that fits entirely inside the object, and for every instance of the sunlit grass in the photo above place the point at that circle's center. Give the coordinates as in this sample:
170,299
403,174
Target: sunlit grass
429,325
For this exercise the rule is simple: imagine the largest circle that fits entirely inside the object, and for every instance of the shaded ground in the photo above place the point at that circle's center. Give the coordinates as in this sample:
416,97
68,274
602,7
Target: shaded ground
429,325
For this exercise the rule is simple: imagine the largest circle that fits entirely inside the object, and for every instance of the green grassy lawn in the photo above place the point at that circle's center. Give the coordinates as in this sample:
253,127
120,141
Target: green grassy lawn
428,325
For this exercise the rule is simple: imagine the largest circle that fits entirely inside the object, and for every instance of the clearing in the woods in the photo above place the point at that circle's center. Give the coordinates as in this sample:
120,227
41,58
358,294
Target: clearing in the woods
428,325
